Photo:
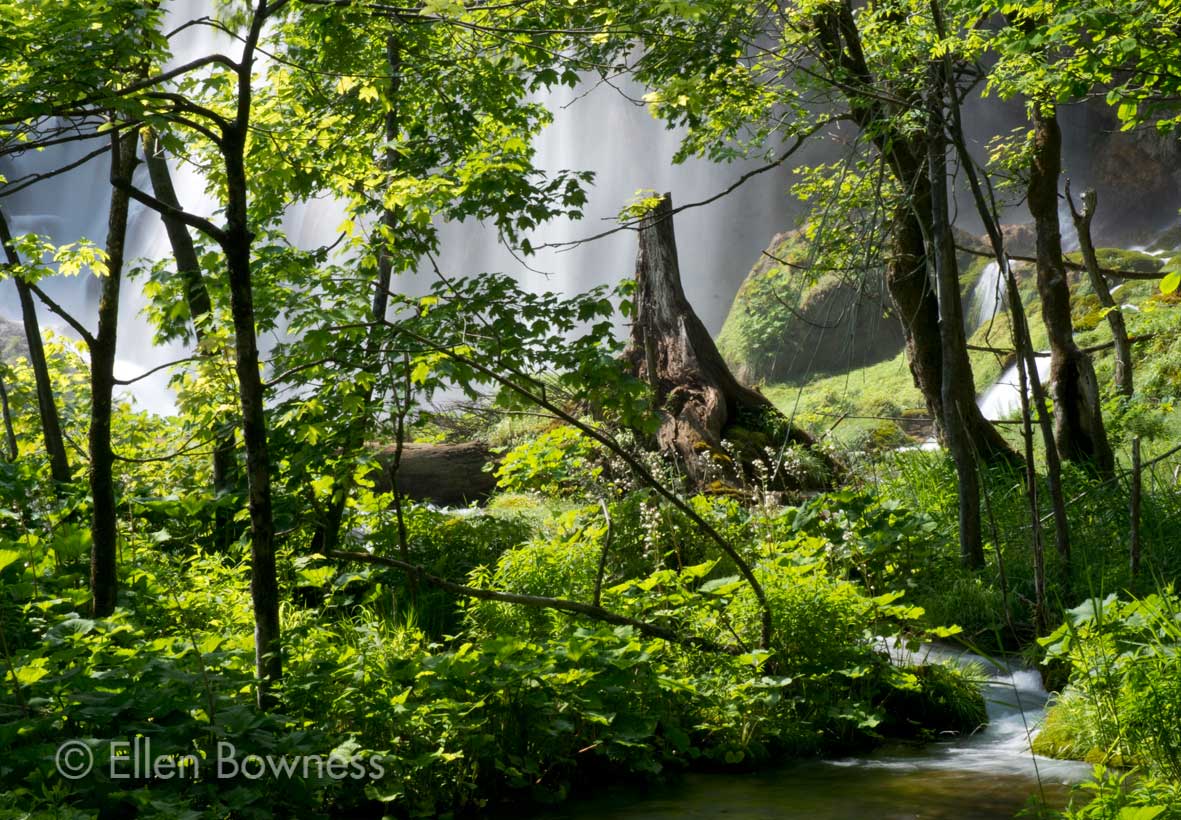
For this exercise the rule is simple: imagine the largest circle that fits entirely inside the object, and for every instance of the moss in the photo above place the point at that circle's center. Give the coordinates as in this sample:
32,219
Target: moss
785,323
1121,259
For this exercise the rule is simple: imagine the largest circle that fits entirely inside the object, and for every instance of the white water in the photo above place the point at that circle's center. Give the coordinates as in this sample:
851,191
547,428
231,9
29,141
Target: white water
988,296
599,131
1003,398
1016,702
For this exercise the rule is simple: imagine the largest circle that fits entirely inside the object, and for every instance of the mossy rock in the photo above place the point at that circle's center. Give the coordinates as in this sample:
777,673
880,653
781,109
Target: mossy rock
785,324
1122,259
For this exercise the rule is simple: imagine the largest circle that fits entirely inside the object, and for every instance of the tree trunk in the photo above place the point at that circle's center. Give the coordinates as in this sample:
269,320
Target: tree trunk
1026,365
670,349
918,308
51,430
9,430
327,535
958,391
188,267
1078,420
104,518
1119,330
264,586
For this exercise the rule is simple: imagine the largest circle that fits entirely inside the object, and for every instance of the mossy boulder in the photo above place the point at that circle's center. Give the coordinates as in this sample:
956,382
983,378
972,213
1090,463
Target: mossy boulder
1122,259
787,322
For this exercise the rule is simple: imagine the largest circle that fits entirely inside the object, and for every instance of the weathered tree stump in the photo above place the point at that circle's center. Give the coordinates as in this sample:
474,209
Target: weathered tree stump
699,399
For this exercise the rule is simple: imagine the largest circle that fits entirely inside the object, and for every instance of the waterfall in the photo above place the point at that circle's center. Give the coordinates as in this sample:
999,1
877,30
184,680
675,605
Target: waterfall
598,129
1003,398
987,297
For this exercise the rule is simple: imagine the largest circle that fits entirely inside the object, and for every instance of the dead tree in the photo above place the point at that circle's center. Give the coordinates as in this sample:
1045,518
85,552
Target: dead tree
697,396
1119,329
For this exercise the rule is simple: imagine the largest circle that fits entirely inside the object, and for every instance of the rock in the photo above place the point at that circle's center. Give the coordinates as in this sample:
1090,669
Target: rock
1020,238
444,474
781,328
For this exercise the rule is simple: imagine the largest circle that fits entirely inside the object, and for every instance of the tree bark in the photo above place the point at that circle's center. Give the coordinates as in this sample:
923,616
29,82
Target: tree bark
104,519
1078,420
237,241
9,430
51,430
1119,330
1023,346
188,267
907,268
264,586
958,391
670,349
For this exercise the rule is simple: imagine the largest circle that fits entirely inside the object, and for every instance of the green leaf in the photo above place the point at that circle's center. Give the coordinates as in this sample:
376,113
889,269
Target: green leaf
1170,282
1140,812
8,557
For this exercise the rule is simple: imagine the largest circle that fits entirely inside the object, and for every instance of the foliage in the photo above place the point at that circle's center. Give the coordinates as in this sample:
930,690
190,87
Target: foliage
1114,795
1124,677
557,462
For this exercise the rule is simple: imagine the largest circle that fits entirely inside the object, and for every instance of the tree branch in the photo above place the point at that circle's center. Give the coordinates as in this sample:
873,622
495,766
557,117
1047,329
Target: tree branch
597,613
192,220
78,327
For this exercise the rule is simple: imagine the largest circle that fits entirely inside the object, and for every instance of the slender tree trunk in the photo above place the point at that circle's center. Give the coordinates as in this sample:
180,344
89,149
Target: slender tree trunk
51,430
327,536
1027,364
237,240
1031,494
9,430
188,267
1119,330
959,394
264,586
1134,509
1078,420
104,518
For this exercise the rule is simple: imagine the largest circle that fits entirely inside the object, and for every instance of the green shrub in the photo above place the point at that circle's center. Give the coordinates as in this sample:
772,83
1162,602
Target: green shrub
1123,702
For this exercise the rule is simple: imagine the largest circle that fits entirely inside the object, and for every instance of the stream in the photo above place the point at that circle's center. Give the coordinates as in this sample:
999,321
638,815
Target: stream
987,776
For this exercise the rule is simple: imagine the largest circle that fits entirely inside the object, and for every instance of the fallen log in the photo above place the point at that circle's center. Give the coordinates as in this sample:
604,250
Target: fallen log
445,474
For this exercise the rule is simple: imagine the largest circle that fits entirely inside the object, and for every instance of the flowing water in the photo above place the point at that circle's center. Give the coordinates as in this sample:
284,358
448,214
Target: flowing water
987,776
988,296
1003,398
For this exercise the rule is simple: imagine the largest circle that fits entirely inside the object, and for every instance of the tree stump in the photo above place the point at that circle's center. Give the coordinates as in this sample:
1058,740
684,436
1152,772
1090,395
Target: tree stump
700,401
